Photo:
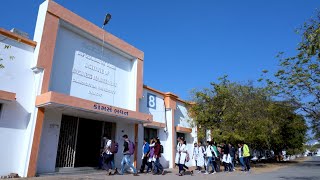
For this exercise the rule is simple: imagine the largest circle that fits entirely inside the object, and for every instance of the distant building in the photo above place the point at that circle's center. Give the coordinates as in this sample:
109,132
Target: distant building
65,90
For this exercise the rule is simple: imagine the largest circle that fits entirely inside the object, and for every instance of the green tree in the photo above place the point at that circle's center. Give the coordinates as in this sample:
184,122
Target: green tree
290,129
298,78
235,112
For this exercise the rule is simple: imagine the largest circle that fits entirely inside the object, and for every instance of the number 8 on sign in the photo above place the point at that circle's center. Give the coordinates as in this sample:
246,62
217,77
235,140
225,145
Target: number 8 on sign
151,101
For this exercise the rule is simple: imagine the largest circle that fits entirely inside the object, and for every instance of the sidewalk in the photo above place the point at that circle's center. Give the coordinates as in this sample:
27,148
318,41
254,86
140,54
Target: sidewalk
171,174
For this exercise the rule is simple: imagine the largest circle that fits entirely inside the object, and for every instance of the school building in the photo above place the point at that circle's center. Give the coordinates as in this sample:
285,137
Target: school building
69,86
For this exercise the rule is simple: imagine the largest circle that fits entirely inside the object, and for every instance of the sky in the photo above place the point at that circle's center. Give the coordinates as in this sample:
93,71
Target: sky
189,43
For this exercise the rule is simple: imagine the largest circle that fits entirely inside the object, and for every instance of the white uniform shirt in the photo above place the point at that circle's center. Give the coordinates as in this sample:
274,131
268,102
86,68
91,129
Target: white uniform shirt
208,151
240,152
108,146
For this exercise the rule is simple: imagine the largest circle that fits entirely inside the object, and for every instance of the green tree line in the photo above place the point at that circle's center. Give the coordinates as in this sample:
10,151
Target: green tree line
237,112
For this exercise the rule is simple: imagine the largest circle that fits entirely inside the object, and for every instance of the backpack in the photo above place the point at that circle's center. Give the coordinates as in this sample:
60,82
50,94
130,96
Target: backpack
216,152
131,147
161,149
114,147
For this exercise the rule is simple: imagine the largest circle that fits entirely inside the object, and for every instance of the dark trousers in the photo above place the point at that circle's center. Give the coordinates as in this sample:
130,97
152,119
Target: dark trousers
157,166
218,163
107,159
149,166
198,167
226,166
247,163
144,163
181,170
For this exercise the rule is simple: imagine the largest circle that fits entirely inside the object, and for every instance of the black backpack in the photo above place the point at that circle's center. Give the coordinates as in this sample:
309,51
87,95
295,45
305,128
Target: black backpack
161,149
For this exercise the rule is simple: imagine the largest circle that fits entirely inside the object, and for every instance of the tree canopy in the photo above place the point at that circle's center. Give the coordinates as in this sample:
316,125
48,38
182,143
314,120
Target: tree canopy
298,77
237,112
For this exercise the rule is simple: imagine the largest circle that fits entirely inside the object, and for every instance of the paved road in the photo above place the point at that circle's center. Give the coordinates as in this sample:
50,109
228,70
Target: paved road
307,170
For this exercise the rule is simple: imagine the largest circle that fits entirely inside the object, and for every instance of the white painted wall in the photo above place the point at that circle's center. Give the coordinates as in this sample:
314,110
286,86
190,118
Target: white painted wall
49,141
181,116
182,119
81,69
16,77
168,144
38,77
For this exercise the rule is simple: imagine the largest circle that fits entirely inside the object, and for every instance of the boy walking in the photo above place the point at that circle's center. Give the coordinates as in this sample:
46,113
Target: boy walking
128,150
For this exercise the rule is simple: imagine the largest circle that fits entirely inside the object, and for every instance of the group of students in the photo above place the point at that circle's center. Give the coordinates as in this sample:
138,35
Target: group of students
224,154
150,158
109,149
205,156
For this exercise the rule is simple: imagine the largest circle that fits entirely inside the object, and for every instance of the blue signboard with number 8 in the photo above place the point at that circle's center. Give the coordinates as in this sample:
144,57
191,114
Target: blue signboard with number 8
152,103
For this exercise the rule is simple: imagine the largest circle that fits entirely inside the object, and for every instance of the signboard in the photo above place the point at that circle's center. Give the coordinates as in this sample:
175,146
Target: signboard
83,69
110,109
151,101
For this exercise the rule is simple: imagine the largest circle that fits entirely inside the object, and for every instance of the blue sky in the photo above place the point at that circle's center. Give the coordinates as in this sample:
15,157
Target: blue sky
188,44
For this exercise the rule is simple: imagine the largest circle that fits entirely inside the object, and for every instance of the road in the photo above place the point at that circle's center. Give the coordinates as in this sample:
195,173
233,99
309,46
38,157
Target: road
307,170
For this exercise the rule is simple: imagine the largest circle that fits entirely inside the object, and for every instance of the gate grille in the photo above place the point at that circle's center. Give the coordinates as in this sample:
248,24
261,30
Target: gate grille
67,141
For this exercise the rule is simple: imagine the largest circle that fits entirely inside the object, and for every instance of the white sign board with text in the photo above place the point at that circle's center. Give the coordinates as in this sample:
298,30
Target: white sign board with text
82,68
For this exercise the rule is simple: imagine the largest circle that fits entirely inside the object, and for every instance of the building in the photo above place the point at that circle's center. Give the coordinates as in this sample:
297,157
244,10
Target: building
71,85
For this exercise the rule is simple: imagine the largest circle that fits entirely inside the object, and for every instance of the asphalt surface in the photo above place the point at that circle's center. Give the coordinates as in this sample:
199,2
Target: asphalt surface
307,170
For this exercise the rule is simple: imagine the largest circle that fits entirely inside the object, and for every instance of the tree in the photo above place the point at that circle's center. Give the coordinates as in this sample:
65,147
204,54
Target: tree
298,78
289,133
241,112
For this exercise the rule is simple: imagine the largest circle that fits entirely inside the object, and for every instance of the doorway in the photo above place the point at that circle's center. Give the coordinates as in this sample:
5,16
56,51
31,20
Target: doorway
80,141
88,143
150,133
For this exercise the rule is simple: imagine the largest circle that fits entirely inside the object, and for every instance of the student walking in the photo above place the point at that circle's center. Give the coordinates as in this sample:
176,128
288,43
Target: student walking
216,156
226,159
177,151
107,156
198,155
240,155
232,153
246,157
111,148
182,156
145,155
151,159
209,158
128,150
157,154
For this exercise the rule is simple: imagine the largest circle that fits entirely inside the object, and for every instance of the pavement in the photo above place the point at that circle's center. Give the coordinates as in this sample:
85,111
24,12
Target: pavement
304,170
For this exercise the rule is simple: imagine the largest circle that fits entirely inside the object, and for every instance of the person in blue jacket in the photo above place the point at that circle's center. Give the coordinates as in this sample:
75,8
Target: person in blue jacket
145,155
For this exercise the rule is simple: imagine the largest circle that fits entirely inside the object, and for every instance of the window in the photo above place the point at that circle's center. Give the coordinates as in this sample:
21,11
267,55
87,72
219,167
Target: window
150,133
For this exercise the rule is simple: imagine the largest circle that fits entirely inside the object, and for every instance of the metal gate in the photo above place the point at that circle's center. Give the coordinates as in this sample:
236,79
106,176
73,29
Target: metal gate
67,141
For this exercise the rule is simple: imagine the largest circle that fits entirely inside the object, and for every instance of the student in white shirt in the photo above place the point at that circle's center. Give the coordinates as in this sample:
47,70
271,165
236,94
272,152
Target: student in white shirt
198,155
210,157
240,155
107,156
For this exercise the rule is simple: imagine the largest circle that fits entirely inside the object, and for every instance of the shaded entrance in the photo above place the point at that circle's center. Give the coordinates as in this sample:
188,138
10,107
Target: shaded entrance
80,141
88,143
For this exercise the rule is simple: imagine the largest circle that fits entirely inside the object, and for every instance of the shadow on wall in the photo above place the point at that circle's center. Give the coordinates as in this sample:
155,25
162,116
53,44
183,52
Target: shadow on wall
14,116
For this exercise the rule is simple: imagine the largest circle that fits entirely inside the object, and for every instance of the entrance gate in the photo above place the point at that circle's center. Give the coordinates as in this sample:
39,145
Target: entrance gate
80,141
